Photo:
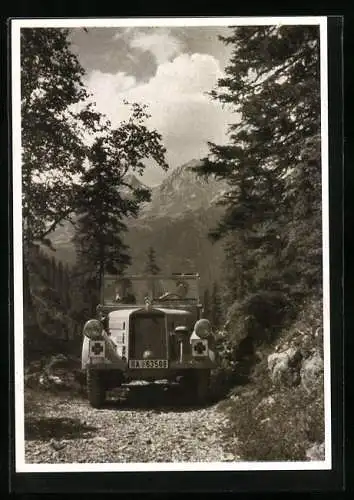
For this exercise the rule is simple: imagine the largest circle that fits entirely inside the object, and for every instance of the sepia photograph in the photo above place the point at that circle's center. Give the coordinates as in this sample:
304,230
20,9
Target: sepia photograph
171,246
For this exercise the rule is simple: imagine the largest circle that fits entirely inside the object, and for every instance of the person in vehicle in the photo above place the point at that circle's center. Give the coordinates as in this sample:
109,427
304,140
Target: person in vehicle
129,298
127,295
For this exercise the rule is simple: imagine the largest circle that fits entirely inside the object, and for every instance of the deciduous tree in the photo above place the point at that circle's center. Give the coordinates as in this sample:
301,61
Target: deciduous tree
108,196
55,115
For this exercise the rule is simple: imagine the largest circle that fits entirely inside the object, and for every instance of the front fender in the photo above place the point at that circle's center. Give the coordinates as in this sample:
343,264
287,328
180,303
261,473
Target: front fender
85,352
111,356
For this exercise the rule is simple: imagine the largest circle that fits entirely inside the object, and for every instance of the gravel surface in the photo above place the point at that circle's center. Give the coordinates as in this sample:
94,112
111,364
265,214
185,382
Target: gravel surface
149,425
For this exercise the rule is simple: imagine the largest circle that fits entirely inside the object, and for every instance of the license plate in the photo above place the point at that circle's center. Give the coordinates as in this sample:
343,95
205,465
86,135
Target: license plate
148,363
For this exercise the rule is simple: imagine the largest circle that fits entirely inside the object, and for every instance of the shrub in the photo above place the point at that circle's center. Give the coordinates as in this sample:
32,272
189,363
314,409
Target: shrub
277,428
279,423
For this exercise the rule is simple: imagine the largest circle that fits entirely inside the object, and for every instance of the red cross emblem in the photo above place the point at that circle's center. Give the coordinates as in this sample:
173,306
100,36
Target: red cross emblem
97,348
199,348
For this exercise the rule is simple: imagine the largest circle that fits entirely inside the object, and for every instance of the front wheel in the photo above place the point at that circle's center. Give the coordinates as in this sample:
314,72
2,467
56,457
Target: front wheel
195,386
202,385
95,389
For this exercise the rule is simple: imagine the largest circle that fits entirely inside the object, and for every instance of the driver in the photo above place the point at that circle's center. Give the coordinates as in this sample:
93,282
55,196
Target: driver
127,295
129,298
181,291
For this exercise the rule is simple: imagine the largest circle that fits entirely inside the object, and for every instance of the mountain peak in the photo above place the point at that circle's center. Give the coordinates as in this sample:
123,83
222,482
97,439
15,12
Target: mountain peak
183,170
182,191
134,181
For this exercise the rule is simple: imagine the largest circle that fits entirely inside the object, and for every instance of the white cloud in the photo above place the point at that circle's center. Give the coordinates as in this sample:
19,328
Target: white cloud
160,43
176,97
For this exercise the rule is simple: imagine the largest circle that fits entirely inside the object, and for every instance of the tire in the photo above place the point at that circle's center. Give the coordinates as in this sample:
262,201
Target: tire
202,385
195,386
95,390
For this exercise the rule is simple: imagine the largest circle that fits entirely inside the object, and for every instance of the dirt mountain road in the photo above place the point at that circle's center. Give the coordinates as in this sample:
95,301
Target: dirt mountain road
149,425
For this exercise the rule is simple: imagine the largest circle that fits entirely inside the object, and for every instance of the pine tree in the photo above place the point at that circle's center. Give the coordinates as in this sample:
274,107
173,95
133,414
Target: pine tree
84,296
66,287
272,161
206,304
45,270
53,272
59,278
151,266
215,307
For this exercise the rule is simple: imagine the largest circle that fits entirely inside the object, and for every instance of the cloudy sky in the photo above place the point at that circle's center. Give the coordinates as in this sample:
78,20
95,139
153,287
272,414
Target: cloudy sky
170,70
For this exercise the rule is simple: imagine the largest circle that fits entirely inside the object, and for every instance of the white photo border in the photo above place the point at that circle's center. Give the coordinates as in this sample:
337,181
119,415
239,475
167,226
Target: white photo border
16,25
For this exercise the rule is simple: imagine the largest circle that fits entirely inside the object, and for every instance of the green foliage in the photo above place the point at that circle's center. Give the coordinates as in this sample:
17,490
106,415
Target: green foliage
206,304
56,120
271,227
216,310
108,196
49,325
151,266
55,114
276,422
63,175
279,431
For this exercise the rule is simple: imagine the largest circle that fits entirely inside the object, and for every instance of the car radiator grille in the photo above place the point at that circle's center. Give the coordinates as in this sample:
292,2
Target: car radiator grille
148,333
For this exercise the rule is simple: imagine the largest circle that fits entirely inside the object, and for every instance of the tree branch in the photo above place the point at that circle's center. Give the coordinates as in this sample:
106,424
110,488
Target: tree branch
54,224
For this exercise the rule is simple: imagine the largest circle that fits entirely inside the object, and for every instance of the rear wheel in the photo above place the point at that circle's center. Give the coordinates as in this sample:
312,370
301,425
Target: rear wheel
95,390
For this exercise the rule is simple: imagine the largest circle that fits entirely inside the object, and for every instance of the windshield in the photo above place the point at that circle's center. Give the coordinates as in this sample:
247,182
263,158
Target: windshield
134,289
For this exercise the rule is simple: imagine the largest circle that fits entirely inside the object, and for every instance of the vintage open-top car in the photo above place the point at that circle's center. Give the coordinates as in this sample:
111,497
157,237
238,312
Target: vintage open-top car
148,328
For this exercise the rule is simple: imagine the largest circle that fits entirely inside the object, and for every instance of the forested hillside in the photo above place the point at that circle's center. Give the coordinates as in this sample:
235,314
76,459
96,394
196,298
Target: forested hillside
176,222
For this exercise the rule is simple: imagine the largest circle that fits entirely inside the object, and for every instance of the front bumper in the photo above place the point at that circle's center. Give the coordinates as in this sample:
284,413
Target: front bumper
159,373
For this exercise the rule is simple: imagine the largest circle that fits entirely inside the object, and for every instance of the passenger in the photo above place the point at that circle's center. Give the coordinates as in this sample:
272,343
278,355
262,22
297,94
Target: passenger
129,298
182,289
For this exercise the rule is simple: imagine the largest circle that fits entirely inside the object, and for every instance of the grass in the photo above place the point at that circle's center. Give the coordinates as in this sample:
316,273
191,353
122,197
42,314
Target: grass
275,426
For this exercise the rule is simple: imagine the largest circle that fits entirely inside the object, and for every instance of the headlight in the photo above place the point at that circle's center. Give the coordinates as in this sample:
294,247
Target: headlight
93,329
181,332
202,328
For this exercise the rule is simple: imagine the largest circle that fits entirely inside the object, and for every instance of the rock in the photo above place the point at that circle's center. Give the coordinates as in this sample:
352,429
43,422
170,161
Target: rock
57,445
100,438
267,401
31,380
258,356
265,420
284,366
250,393
43,380
312,371
55,380
316,452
